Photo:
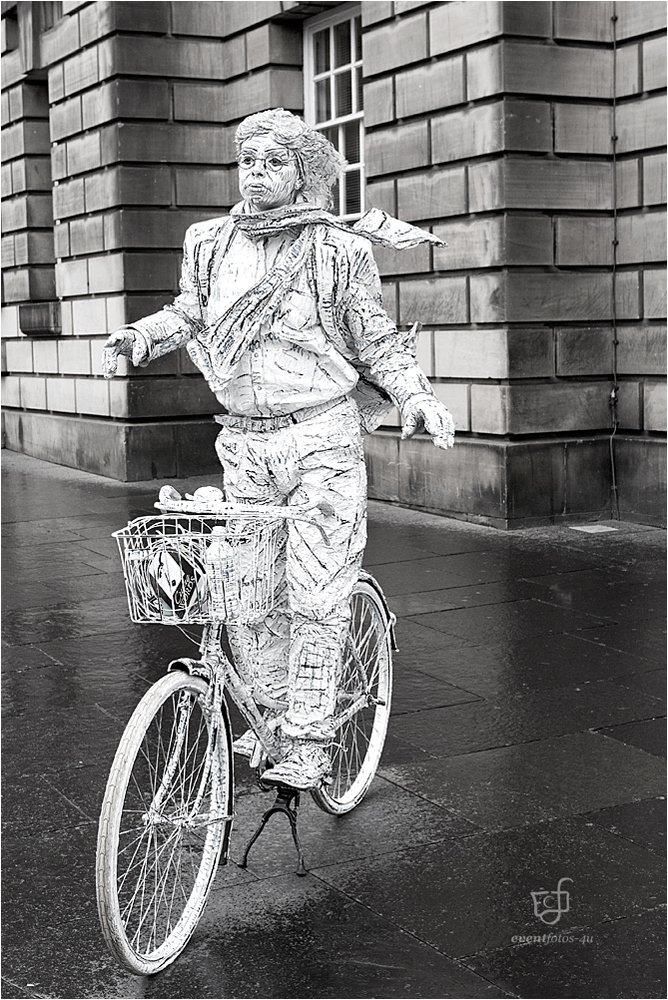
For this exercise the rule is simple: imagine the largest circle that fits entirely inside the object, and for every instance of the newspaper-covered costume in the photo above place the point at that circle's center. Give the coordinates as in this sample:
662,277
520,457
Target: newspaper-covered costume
281,311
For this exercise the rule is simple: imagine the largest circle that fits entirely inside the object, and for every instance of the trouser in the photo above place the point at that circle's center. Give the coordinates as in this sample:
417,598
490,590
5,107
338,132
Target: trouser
293,657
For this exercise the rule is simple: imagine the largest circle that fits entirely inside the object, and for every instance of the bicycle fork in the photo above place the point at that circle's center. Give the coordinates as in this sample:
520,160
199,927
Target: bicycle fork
212,708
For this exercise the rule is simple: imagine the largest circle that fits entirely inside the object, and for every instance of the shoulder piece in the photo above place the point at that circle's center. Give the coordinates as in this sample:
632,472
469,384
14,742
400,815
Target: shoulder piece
204,242
345,239
207,230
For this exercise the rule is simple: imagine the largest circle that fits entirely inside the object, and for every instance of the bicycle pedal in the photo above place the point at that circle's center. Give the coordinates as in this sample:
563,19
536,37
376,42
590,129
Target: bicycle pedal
262,766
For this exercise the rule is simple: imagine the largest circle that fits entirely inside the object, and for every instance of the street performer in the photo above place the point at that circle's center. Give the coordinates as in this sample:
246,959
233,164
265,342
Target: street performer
280,309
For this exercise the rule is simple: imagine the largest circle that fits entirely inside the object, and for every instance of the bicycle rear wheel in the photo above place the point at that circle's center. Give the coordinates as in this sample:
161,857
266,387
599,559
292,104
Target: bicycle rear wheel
166,816
363,703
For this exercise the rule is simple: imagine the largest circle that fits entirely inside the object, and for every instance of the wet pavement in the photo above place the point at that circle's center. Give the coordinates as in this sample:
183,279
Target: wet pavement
526,746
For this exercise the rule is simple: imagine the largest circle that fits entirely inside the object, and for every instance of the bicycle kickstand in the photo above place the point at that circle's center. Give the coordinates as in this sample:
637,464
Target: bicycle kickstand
287,802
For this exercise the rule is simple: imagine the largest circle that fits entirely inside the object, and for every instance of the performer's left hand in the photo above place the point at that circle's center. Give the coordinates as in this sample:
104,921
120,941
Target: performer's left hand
434,416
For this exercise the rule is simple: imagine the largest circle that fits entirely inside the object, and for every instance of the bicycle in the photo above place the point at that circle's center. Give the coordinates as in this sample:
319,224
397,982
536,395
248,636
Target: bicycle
168,808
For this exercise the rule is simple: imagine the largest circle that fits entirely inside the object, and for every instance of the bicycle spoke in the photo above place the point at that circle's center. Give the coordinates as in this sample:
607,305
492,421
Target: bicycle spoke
158,882
363,704
170,825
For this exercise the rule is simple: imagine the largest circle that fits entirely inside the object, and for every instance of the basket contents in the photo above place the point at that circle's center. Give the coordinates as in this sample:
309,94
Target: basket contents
240,566
179,583
182,569
225,602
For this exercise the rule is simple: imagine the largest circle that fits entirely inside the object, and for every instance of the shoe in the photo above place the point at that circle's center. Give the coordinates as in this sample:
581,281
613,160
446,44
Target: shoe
245,745
306,765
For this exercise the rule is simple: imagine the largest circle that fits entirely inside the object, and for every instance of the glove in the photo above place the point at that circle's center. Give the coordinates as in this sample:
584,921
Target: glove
429,412
118,343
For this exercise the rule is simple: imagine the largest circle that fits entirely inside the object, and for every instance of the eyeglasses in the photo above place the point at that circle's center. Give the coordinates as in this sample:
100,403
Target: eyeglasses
272,161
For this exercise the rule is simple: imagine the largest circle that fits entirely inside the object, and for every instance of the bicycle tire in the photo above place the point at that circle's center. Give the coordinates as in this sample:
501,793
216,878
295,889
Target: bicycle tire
165,818
357,748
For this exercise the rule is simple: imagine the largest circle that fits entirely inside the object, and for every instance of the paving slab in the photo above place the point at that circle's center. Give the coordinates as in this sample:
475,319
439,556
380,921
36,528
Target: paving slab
645,637
50,928
467,569
643,822
508,622
53,947
21,596
478,594
652,682
57,529
397,751
298,932
44,810
414,691
522,748
613,594
629,949
92,617
508,787
472,894
129,650
66,739
483,724
393,534
530,664
648,734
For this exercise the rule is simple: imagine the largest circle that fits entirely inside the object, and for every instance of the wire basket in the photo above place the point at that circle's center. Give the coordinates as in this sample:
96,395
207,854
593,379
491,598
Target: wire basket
184,569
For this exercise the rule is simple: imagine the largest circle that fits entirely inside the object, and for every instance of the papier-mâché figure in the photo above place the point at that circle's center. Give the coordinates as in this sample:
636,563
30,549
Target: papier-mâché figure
280,309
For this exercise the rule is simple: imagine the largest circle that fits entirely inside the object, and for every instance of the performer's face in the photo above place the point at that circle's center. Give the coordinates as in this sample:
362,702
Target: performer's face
268,173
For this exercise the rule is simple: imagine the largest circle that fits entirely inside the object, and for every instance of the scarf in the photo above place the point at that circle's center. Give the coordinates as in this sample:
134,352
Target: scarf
375,225
217,350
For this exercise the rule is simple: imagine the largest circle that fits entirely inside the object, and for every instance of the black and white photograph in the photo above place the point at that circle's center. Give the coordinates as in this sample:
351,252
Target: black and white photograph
334,499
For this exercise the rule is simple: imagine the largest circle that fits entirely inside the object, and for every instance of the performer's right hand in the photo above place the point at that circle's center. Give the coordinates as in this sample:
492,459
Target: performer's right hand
118,343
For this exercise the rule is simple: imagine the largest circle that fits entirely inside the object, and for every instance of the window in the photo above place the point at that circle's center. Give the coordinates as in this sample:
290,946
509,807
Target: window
50,14
333,99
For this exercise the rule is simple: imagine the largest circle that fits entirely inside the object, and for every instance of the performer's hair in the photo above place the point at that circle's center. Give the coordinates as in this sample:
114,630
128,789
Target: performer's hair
319,163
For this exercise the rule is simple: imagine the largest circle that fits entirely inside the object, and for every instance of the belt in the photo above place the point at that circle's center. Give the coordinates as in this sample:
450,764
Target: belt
264,424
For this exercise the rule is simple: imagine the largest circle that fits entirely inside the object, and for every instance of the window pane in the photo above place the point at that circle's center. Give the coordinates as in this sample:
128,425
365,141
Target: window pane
351,135
358,37
353,204
344,95
336,207
323,103
321,45
342,44
336,102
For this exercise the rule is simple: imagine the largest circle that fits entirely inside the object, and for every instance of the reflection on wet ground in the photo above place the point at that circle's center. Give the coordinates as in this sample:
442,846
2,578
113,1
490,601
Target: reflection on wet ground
525,746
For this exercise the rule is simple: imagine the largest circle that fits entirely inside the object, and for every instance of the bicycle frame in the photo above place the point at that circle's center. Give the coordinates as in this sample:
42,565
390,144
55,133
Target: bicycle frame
218,669
223,674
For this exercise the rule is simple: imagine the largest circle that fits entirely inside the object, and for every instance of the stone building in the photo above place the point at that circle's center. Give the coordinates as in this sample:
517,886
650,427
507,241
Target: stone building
530,136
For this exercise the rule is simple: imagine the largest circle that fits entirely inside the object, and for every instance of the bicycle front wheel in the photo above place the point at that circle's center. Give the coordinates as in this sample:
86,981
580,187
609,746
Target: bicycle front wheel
166,816
363,703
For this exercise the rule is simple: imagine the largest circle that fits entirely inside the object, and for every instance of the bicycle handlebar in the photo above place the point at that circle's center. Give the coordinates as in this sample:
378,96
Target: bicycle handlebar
209,505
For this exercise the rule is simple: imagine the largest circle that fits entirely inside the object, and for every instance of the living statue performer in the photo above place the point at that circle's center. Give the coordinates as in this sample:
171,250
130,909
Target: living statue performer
280,309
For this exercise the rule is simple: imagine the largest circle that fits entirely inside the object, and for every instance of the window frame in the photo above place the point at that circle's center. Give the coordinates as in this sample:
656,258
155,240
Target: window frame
344,12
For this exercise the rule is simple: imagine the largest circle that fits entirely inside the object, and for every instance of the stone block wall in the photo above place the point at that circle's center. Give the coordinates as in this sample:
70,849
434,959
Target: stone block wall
27,210
489,123
138,108
495,128
120,156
